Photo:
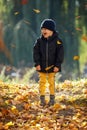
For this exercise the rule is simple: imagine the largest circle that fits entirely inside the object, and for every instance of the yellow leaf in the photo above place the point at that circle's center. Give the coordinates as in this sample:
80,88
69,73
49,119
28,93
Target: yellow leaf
26,21
59,42
77,17
71,126
33,122
57,106
84,37
36,10
7,102
10,123
76,58
14,110
49,67
78,29
16,13
7,125
84,124
85,91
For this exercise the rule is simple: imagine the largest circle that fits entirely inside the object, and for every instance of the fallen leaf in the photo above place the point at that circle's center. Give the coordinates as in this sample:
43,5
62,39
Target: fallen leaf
7,125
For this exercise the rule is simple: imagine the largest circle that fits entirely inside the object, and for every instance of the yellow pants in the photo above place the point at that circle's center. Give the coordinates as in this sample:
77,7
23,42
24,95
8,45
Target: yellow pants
43,79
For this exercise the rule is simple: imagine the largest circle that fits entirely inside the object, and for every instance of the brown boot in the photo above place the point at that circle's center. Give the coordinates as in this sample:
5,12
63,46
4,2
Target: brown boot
42,100
52,100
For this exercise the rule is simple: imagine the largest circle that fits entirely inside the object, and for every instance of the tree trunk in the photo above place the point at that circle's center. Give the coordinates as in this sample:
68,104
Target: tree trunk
64,14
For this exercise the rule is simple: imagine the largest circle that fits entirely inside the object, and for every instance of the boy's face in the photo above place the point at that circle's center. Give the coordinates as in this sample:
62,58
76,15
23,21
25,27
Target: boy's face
46,32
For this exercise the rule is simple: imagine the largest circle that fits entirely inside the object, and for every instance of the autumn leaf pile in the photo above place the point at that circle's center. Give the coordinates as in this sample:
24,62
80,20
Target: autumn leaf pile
20,109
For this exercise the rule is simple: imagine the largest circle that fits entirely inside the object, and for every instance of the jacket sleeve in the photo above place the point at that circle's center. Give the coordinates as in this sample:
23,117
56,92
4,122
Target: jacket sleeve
36,53
59,53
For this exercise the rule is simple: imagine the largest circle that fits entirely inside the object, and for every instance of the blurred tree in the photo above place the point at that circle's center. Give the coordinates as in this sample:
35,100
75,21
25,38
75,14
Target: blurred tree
5,54
64,14
22,20
27,30
16,13
83,13
23,39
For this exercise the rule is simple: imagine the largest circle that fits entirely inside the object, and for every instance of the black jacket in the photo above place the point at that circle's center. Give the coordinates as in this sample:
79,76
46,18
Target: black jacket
48,53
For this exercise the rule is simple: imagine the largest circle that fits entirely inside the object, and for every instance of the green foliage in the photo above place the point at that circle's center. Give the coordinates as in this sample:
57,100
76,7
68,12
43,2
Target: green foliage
5,9
27,77
3,77
83,54
65,4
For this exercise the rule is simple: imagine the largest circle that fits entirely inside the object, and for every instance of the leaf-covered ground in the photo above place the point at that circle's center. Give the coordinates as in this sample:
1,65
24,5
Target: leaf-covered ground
20,109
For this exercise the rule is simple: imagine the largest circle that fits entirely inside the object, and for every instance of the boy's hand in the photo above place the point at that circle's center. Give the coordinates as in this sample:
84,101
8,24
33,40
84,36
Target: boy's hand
38,68
56,69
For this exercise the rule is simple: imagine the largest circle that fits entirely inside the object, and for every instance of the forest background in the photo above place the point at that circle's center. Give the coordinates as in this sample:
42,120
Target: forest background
19,92
20,26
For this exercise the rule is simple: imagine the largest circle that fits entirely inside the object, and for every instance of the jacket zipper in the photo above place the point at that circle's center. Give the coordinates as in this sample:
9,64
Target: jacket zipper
47,54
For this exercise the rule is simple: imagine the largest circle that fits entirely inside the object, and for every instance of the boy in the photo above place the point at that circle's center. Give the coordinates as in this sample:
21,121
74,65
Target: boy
48,55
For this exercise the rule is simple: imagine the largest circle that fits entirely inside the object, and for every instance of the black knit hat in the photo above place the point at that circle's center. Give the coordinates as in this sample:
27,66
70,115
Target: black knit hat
48,24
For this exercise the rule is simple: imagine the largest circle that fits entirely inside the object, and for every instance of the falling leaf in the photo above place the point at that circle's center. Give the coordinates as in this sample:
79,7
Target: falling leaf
78,29
8,68
24,2
26,21
84,37
73,33
13,45
49,67
36,11
76,58
16,13
77,17
65,31
59,42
